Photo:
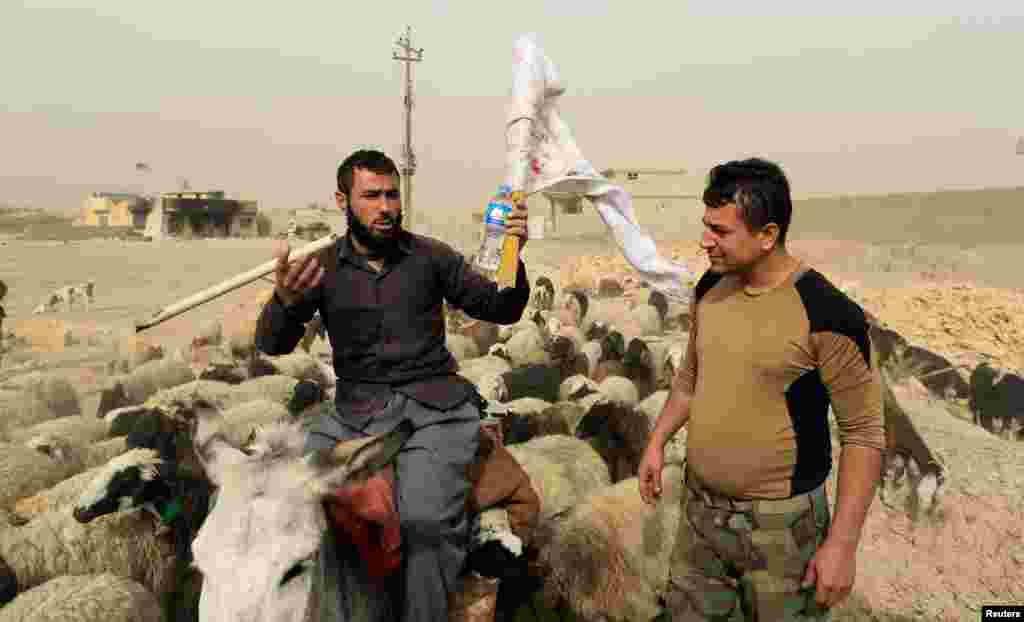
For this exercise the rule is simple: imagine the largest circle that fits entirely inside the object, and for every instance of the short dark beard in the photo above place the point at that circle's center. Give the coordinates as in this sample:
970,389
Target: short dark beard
377,245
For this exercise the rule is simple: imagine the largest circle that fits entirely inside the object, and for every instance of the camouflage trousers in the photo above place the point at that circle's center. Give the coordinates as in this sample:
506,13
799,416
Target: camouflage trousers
743,561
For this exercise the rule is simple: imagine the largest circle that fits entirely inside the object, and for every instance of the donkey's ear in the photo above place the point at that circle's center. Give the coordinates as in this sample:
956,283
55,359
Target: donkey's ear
211,446
355,460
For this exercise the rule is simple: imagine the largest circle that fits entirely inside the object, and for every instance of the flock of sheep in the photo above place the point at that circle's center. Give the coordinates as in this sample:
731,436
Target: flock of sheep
97,513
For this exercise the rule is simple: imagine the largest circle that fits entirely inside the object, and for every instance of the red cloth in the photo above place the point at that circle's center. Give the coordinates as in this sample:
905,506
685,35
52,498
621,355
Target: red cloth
364,514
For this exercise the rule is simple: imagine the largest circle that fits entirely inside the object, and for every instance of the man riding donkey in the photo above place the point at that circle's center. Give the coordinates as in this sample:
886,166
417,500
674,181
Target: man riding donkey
380,292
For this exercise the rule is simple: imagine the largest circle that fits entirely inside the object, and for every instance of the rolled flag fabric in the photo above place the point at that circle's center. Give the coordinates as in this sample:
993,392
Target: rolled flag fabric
542,156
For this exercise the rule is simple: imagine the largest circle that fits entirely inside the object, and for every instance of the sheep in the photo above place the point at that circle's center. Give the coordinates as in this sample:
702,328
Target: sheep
673,359
241,420
536,381
209,362
144,381
241,340
461,347
563,470
79,456
297,365
81,429
530,320
210,334
124,483
593,352
619,389
483,334
520,427
55,544
132,351
638,363
651,407
608,559
81,598
476,368
25,471
174,401
64,493
613,348
576,387
529,346
43,397
641,320
543,294
903,440
658,348
619,432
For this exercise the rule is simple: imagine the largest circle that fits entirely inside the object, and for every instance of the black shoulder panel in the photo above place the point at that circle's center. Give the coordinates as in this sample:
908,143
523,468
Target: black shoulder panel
830,310
704,285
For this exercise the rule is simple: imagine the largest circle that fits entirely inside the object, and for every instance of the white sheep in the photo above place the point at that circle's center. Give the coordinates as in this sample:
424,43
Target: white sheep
25,471
673,360
241,420
609,557
593,351
576,387
79,456
651,407
55,497
80,429
42,397
461,347
527,347
83,598
475,368
298,365
124,543
619,389
563,471
131,351
174,401
145,380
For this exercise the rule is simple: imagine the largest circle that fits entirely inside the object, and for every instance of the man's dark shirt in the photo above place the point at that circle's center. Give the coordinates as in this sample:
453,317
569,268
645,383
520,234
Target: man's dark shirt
387,329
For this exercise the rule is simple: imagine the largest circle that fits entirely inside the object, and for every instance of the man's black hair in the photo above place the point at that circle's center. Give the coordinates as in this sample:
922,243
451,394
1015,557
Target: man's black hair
759,189
368,159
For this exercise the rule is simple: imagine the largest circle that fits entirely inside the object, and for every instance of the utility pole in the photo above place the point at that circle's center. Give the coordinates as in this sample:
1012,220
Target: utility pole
408,56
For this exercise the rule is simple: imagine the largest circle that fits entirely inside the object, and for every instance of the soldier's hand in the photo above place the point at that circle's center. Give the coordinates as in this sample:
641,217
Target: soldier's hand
649,473
292,279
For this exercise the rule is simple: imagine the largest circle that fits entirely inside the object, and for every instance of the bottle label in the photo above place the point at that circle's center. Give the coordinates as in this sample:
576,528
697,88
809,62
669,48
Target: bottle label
496,213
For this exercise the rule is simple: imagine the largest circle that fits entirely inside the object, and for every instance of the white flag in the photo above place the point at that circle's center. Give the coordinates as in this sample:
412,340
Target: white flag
541,155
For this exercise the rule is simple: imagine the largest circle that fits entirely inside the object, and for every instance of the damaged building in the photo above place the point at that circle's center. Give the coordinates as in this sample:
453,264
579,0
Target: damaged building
184,214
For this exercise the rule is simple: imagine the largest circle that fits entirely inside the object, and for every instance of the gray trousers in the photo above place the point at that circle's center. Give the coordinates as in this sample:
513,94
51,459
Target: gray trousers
431,492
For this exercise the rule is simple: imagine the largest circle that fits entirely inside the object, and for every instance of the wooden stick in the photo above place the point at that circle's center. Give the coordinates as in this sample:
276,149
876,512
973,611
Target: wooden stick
232,283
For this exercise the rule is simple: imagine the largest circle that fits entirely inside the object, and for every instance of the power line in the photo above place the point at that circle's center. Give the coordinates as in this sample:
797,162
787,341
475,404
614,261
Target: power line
408,56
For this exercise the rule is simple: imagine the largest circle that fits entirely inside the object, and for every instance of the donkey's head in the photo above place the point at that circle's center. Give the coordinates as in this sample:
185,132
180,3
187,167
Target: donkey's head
257,549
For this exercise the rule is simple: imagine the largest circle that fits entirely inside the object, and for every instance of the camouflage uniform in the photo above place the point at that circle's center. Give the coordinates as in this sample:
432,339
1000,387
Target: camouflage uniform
744,560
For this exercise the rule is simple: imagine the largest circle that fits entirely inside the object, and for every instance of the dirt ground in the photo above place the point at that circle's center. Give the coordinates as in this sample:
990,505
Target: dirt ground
962,303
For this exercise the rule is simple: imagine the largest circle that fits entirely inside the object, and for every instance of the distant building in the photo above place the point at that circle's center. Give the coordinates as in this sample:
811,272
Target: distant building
174,214
115,209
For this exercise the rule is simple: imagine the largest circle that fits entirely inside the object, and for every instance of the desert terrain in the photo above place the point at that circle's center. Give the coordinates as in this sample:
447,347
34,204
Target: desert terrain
960,298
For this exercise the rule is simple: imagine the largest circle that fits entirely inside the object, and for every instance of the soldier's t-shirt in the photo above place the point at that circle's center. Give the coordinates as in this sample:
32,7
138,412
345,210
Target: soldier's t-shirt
762,368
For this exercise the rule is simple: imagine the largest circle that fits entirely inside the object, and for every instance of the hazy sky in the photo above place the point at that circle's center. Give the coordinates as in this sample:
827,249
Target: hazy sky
264,99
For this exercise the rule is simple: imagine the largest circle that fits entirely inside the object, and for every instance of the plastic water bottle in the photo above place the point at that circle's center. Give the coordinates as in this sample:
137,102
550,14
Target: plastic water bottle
488,259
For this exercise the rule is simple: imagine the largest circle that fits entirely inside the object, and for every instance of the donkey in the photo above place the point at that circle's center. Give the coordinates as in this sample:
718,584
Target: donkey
262,545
